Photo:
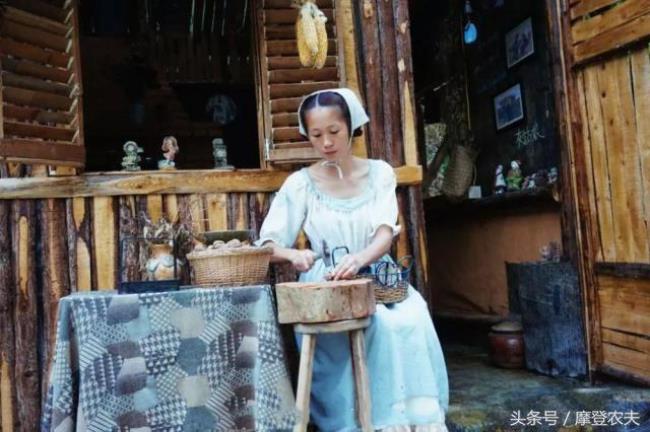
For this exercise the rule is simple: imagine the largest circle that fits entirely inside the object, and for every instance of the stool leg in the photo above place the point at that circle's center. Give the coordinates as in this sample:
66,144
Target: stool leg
304,380
361,380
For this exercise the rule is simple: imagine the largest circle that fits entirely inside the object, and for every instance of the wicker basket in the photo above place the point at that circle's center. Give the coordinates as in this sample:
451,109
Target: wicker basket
460,172
391,286
230,266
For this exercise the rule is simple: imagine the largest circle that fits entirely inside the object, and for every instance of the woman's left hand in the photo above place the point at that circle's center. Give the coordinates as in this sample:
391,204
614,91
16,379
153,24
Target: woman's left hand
347,268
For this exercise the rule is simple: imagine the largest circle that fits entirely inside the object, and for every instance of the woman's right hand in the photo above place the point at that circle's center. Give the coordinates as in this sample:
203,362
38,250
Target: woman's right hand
302,259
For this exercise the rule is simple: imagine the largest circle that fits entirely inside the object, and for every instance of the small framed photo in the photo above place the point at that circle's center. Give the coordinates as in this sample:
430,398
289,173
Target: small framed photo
508,107
519,42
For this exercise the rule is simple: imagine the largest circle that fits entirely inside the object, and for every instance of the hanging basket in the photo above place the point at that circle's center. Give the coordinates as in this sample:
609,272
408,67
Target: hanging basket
460,172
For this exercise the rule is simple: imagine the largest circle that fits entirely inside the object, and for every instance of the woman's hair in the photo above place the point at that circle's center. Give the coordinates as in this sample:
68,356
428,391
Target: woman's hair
328,99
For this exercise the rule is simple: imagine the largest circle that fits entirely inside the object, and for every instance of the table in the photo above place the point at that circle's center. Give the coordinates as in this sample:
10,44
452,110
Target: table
200,359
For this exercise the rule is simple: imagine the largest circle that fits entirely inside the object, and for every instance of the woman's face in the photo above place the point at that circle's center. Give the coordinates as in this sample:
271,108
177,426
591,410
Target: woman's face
328,132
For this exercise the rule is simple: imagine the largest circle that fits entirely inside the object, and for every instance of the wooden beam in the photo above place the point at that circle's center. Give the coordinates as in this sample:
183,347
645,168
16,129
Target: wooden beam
35,98
48,152
41,8
35,70
612,18
8,402
34,53
36,21
178,182
31,35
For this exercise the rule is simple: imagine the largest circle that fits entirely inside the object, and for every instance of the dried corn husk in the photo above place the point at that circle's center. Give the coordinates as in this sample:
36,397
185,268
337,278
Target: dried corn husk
306,35
321,32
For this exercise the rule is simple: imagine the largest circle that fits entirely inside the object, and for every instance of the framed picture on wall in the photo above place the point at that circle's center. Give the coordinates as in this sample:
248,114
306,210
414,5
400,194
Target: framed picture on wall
519,42
508,107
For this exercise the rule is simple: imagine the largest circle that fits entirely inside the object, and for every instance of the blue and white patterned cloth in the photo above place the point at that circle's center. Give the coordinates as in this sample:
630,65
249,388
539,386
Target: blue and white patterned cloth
203,359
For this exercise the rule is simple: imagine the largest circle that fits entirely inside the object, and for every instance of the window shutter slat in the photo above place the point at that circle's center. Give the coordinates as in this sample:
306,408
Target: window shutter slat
285,81
41,84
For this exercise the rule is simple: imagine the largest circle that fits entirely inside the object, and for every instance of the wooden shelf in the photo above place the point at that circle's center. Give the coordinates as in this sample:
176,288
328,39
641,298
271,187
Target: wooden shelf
524,199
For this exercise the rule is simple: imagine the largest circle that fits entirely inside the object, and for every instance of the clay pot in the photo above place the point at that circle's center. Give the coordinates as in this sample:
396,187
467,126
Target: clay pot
160,265
507,345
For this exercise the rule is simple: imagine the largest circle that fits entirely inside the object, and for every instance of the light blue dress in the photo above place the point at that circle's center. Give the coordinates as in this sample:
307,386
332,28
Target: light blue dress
408,376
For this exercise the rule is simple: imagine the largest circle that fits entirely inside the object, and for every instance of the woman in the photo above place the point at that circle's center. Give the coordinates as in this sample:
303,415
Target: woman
351,202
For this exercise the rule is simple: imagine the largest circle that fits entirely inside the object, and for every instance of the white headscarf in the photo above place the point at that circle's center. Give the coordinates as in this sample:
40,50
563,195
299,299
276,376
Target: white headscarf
358,116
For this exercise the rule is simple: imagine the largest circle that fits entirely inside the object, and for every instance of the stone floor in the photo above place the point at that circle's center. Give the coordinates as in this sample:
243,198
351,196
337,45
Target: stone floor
486,398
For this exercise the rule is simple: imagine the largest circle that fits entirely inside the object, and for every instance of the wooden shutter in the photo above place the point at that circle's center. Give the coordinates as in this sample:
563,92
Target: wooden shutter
284,81
41,84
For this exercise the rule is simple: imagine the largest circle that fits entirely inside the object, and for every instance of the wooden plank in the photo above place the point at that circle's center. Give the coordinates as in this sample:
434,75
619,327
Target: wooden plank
585,7
405,83
27,374
31,35
293,154
346,34
34,53
154,207
26,130
79,244
8,403
299,89
588,164
289,47
36,21
36,98
179,182
40,8
636,343
625,304
308,75
614,355
393,143
23,113
370,57
284,119
36,70
641,88
623,270
625,177
599,154
105,245
237,211
610,19
197,214
217,211
258,205
285,105
287,134
129,230
50,152
612,40
25,82
55,280
171,207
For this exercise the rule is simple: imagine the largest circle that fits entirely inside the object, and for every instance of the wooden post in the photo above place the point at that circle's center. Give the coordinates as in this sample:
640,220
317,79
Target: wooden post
371,72
27,371
79,244
361,381
417,233
129,263
303,392
8,402
390,93
405,82
55,275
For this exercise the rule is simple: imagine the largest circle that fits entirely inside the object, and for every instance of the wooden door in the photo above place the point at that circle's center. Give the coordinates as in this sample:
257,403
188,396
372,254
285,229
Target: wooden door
608,80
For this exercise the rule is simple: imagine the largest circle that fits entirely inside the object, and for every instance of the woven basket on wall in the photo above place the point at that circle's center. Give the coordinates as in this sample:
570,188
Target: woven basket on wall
230,266
460,172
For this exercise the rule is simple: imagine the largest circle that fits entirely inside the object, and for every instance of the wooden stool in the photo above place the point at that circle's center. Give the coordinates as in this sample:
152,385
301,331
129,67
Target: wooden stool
309,331
328,307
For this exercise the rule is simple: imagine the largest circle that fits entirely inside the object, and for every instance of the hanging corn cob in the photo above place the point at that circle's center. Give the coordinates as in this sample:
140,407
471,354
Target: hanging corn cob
321,32
306,35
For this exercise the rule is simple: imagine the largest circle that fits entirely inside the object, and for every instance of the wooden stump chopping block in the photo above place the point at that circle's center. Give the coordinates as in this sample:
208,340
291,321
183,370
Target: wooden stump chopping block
327,301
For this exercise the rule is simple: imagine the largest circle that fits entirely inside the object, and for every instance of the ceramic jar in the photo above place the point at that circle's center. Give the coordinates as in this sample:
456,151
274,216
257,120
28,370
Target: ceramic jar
160,265
507,345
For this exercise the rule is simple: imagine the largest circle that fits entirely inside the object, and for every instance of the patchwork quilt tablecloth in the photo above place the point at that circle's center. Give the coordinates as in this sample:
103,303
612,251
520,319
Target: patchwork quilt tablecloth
202,359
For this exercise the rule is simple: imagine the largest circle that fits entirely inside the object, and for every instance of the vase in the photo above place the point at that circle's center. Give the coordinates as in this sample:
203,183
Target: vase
507,345
160,265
